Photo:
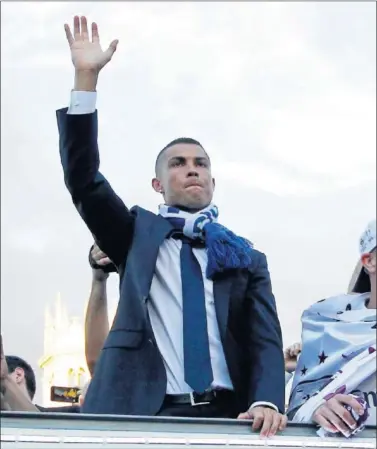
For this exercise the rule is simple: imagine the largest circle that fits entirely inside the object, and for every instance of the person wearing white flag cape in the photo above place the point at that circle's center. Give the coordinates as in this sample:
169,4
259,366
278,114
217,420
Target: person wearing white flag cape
334,384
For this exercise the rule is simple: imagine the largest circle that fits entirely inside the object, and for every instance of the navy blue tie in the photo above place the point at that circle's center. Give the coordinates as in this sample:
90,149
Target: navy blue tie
197,358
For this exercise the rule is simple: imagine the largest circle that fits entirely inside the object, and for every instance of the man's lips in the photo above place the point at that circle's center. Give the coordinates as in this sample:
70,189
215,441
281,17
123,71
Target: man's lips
193,185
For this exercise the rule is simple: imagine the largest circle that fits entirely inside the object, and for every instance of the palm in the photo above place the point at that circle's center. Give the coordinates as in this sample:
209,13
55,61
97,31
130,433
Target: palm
87,54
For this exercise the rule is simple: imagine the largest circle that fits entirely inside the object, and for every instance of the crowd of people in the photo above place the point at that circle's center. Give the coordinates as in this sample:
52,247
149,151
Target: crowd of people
196,331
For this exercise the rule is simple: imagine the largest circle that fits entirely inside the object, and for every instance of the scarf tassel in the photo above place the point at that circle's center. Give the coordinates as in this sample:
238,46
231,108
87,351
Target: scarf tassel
225,250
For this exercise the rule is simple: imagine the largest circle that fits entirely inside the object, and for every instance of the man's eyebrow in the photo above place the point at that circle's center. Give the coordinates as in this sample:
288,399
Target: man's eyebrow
177,158
183,158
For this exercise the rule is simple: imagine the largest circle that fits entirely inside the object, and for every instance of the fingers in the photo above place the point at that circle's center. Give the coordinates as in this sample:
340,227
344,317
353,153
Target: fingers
112,48
95,35
81,33
257,422
335,421
342,413
101,259
292,351
104,261
324,422
99,256
97,252
68,34
349,400
334,417
80,30
268,421
84,28
275,424
283,422
295,350
244,416
76,28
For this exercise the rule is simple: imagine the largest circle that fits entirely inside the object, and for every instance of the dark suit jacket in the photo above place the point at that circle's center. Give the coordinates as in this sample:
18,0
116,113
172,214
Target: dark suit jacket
130,377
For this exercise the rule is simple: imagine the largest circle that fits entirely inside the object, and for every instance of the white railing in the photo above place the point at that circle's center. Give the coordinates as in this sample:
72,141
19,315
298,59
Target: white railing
52,430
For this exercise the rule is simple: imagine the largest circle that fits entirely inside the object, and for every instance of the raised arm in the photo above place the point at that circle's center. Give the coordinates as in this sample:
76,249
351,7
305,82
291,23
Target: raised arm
110,222
97,318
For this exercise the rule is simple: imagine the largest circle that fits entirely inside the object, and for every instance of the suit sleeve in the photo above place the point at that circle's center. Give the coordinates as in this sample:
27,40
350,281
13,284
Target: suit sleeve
267,375
105,214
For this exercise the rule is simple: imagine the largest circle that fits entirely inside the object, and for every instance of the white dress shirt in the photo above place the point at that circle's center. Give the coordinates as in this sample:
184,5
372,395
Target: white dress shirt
165,300
165,311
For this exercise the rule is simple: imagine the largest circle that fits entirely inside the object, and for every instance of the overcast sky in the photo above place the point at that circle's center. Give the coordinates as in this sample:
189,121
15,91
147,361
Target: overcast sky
281,95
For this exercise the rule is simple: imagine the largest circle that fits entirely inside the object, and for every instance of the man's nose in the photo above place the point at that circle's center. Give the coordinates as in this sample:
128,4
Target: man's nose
192,172
192,169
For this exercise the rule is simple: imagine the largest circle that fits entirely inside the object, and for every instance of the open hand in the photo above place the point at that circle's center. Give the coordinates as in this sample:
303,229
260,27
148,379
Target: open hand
267,419
87,55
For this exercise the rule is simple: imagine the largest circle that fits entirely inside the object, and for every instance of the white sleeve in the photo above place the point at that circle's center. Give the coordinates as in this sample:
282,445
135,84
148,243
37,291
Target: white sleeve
264,404
82,102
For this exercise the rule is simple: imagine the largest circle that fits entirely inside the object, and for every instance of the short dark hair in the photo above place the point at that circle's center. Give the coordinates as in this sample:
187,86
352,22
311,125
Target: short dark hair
14,362
188,140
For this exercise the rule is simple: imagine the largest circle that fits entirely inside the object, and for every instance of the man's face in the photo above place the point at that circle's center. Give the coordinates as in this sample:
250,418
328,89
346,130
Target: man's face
184,177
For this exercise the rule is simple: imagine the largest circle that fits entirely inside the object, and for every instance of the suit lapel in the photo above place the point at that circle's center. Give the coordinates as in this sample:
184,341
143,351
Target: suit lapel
221,292
149,243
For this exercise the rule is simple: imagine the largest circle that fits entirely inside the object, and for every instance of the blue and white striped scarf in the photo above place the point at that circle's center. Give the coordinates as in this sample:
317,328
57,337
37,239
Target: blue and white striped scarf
225,250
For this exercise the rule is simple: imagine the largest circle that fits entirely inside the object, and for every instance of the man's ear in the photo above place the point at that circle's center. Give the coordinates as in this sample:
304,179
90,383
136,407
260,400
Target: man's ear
213,183
369,262
157,186
19,375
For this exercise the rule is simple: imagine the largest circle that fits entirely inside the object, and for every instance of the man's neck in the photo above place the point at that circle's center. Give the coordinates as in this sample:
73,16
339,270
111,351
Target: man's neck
187,209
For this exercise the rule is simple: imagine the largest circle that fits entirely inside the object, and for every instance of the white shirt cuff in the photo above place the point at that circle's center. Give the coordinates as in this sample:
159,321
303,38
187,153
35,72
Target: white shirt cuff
82,102
264,404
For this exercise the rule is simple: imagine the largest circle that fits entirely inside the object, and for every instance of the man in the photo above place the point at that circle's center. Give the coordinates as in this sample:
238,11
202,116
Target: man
22,374
335,380
17,384
196,332
18,387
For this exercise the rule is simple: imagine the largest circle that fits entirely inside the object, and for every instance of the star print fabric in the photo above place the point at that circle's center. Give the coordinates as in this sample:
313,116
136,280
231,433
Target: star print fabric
338,350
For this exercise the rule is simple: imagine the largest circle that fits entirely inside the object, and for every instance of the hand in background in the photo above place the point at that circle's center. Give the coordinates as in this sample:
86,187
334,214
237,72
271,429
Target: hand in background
290,357
101,259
